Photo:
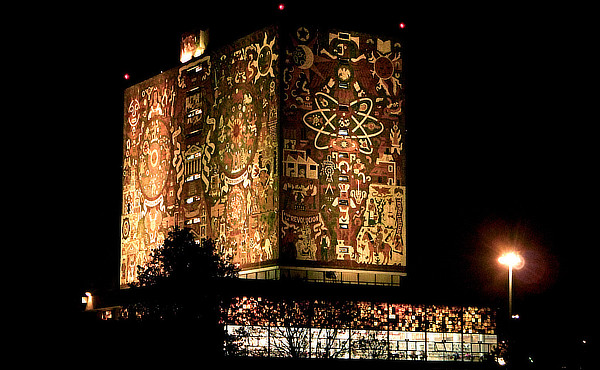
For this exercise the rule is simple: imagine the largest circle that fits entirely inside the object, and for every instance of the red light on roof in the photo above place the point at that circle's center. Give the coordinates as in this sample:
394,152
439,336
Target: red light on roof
126,76
402,25
281,6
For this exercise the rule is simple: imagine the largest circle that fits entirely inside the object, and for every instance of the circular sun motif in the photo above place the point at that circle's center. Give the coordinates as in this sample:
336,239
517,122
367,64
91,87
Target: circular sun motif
125,228
154,159
236,139
384,68
265,59
237,131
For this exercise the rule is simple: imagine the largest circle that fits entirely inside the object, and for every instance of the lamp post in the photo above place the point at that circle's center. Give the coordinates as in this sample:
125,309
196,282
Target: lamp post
88,300
512,260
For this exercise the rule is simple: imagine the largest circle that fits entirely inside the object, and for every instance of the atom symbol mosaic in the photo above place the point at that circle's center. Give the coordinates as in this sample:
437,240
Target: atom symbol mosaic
351,122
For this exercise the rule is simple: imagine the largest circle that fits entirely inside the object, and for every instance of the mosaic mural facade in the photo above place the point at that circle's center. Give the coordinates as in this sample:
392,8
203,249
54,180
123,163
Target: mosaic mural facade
200,151
286,147
343,194
152,142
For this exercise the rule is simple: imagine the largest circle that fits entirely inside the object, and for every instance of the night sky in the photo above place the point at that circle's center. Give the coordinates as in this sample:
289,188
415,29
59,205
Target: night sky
499,145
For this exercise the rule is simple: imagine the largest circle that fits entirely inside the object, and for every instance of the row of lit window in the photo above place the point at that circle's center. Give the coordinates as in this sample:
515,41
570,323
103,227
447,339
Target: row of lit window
267,341
363,315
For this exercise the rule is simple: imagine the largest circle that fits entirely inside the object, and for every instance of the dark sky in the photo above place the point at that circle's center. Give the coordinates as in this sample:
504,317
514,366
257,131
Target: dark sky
499,143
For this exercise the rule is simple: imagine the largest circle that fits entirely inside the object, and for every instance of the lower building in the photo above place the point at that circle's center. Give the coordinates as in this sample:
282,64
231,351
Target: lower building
259,327
287,319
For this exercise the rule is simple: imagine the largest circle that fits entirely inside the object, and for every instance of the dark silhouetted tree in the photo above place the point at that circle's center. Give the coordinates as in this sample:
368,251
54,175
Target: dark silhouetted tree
370,345
182,292
293,328
181,261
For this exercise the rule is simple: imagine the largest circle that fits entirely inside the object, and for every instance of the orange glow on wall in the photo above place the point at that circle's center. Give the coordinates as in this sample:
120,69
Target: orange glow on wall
307,170
193,45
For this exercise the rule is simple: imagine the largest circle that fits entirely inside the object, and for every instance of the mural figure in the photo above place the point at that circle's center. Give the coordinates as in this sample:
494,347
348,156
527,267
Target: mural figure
282,146
343,107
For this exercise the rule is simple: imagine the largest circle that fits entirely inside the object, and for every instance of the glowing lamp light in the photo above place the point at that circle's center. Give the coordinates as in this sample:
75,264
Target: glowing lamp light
402,25
87,299
281,6
126,76
511,259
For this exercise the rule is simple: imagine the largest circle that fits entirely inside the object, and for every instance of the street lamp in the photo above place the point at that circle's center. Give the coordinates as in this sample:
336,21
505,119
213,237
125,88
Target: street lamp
512,260
88,300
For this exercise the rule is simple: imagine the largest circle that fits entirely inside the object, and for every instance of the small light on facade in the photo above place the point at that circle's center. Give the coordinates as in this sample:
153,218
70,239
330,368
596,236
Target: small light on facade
516,316
402,25
281,6
87,300
126,76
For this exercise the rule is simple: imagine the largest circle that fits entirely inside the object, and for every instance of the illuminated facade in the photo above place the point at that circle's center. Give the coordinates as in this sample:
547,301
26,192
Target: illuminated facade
286,147
260,327
284,327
